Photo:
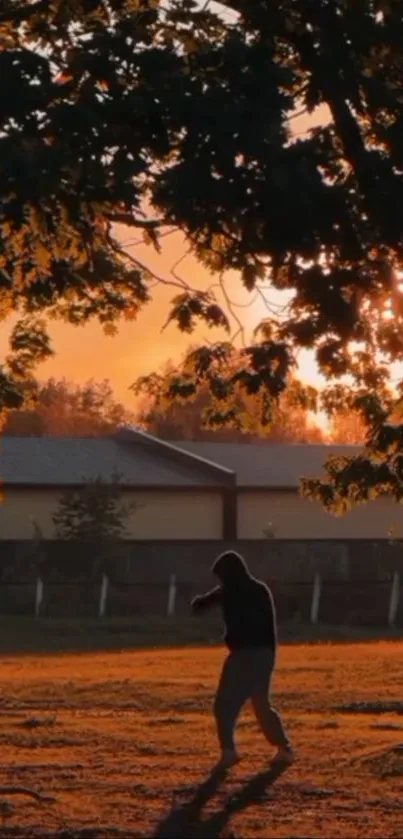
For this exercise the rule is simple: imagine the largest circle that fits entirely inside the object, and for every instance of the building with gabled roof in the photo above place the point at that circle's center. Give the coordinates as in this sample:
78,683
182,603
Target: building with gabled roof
183,491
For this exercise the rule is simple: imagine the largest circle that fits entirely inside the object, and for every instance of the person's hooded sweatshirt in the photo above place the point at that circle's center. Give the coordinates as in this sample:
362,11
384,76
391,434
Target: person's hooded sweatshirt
247,604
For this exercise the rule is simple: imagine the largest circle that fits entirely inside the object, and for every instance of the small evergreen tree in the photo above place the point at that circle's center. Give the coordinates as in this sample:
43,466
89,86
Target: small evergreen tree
93,513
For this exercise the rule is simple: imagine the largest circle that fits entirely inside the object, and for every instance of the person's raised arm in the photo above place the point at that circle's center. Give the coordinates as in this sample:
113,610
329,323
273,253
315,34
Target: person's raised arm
204,601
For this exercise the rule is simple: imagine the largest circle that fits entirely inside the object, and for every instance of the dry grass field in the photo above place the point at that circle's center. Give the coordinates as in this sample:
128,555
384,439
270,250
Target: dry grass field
124,742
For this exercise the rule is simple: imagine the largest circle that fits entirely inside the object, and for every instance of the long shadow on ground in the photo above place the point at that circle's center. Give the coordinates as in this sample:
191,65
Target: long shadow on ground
185,822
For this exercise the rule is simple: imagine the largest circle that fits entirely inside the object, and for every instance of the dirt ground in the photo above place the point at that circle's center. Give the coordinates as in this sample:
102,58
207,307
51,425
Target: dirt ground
124,743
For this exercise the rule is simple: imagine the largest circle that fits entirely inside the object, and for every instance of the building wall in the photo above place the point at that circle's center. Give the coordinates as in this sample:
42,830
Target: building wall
158,515
198,516
177,515
19,507
295,517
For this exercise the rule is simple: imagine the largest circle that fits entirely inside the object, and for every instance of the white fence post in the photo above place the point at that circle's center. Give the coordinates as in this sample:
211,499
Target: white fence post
394,598
38,596
316,591
103,596
171,596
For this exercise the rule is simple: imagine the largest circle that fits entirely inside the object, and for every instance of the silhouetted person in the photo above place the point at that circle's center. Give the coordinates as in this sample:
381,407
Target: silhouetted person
251,636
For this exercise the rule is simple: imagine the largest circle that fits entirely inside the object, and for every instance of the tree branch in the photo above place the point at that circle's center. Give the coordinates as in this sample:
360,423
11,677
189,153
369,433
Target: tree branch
230,305
130,221
137,263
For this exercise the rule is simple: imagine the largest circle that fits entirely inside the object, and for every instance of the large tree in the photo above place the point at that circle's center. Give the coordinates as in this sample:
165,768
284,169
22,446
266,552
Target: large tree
244,419
177,114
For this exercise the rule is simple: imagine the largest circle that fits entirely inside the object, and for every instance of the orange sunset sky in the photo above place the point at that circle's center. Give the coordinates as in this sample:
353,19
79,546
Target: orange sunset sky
140,346
143,345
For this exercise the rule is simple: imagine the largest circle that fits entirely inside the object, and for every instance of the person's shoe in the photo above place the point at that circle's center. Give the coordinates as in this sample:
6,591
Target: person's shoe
229,758
285,756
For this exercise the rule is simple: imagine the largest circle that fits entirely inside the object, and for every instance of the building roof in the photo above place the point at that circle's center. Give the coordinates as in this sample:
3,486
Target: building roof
58,461
145,461
272,465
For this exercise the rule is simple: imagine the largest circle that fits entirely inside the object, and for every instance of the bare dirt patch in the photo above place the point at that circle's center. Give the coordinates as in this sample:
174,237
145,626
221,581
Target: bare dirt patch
122,744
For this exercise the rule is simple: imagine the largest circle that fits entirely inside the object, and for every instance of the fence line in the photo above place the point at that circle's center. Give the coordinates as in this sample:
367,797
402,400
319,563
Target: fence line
318,600
316,591
394,599
38,597
171,596
103,596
